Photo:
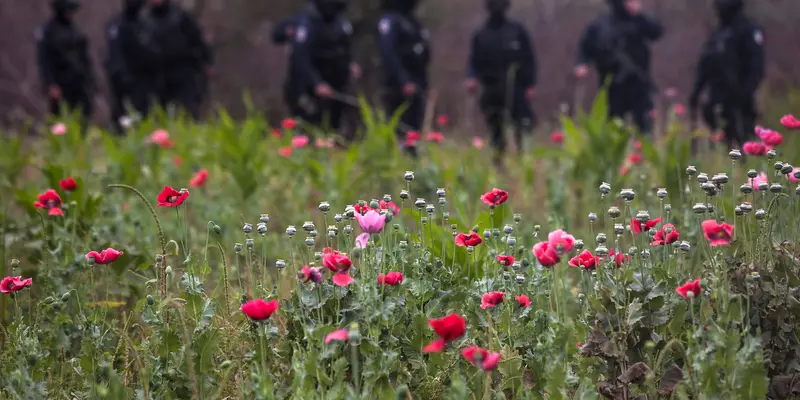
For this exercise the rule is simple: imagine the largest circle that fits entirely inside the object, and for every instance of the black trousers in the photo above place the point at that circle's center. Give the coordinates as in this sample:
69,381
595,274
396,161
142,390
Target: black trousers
126,93
634,100
182,88
737,119
500,109
74,99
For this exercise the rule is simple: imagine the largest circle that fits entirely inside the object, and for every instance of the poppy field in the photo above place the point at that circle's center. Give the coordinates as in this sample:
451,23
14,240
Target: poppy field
240,260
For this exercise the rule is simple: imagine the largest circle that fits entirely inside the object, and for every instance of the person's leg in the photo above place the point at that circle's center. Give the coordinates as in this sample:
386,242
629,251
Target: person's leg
523,117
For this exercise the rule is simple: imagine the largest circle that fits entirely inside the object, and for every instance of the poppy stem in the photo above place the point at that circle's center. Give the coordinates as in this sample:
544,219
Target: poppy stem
225,279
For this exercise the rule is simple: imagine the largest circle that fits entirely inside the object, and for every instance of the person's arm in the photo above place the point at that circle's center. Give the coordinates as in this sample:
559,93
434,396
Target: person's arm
650,28
586,46
701,79
198,47
387,44
754,55
530,67
301,59
117,59
86,60
44,59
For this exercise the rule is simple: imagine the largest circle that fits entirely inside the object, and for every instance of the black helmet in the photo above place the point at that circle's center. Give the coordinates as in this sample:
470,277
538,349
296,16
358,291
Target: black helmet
65,5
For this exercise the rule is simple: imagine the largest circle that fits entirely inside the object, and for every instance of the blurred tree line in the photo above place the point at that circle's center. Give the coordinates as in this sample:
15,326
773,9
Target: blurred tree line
247,62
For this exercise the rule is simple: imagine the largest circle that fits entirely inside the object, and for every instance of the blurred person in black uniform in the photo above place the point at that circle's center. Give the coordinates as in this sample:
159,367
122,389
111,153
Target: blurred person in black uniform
503,63
405,57
126,75
65,67
320,64
180,56
283,32
732,68
618,45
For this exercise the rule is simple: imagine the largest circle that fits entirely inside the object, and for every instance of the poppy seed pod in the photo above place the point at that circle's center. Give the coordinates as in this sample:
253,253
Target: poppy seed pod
442,201
291,230
579,245
470,249
495,232
348,229
761,214
752,174
746,207
349,212
699,208
387,198
388,216
710,208
633,250
516,265
746,188
661,193
537,228
787,169
719,179
308,226
396,227
614,212
592,217
652,232
797,190
619,229
404,194
667,207
430,208
520,279
685,246
778,165
601,238
605,188
65,297
374,204
446,216
337,218
159,260
280,264
709,188
508,229
645,254
601,251
217,229
247,228
312,234
309,241
511,241
14,263
506,276
735,155
409,176
420,203
702,177
262,228
249,243
487,233
763,186
517,217
324,206
168,270
796,174
440,192
775,188
772,154
237,247
738,211
627,194
642,217
403,245
691,170
150,300
423,220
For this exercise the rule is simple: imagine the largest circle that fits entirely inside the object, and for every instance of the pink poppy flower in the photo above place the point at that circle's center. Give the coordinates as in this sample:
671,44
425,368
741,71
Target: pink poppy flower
300,141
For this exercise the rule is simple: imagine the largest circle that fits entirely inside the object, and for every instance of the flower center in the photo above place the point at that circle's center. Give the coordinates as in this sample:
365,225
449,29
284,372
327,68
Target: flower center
172,199
51,203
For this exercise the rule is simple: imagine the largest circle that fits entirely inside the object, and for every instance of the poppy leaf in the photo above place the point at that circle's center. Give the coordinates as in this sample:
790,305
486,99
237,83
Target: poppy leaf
672,377
636,373
635,313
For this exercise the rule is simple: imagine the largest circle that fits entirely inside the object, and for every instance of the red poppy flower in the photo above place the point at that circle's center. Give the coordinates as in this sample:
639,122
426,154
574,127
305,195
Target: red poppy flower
412,137
638,227
690,286
390,206
495,197
620,258
716,233
480,357
258,309
12,284
662,237
286,151
468,239
448,329
523,301
635,158
337,335
546,254
170,197
161,138
307,274
718,137
584,260
505,260
288,123
442,120
104,257
491,299
435,137
790,122
561,241
557,137
478,142
199,179
391,279
177,161
771,138
51,201
754,148
679,109
339,264
68,184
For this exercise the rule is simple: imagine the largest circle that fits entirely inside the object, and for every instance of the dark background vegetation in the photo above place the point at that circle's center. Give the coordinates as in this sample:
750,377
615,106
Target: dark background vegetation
249,63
